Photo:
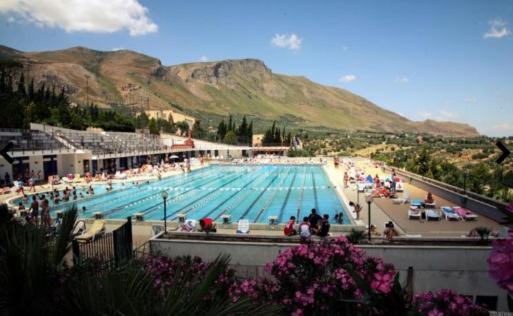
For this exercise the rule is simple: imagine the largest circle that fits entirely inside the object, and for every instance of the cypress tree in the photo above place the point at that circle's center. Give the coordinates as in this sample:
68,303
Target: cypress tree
21,85
243,128
2,82
221,130
250,134
31,90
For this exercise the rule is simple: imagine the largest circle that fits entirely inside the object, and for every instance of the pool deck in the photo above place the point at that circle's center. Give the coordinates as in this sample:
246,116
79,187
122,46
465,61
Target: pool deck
382,209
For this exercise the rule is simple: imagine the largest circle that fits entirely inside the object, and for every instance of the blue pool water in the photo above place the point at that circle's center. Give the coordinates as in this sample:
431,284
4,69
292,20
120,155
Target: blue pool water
253,192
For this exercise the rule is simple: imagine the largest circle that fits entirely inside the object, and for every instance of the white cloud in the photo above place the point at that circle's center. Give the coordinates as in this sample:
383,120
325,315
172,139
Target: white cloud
115,49
11,20
345,48
347,78
448,115
292,41
99,16
470,99
425,114
402,79
504,127
203,59
497,29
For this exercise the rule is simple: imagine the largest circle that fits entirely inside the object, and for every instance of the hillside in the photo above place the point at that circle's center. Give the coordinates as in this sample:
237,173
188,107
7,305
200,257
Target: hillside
211,90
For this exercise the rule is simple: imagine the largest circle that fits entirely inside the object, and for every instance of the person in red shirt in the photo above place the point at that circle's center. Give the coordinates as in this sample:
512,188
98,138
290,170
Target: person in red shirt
289,228
207,225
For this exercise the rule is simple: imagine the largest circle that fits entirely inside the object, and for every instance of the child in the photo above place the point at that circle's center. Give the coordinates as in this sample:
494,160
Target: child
304,230
324,227
289,228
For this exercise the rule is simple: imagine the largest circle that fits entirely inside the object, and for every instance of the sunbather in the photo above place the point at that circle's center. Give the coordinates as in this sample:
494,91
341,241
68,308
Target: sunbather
429,199
289,229
207,225
390,231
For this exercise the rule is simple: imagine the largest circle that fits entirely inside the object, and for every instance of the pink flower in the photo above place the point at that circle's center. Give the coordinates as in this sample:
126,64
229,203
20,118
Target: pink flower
383,282
500,263
435,312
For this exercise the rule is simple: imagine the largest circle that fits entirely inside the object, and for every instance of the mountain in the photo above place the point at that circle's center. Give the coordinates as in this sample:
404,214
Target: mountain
211,90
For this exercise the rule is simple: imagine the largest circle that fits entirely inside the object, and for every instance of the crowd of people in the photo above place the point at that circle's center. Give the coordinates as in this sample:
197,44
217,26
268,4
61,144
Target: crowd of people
312,225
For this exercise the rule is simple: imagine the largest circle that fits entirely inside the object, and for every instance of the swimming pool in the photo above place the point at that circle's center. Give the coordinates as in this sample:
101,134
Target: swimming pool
253,192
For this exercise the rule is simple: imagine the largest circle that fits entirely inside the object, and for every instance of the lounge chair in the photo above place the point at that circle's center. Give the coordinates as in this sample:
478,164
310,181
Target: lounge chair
96,229
78,228
433,214
465,213
243,226
403,199
429,205
157,229
399,187
414,212
189,225
416,202
449,213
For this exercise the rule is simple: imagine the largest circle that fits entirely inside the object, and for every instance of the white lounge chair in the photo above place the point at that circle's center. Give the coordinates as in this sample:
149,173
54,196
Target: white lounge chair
449,213
96,229
402,200
78,228
243,226
414,212
433,214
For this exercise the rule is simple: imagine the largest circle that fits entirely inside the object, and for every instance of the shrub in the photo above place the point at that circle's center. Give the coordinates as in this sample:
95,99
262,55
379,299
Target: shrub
446,303
327,278
500,263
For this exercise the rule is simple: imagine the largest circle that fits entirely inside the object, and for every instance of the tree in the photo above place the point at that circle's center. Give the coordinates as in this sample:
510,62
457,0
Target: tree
183,126
197,130
250,134
231,124
153,127
21,85
230,138
221,130
242,131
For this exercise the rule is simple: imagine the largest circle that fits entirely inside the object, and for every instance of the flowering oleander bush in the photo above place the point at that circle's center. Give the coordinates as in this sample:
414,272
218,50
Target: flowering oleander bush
326,278
446,303
500,262
166,271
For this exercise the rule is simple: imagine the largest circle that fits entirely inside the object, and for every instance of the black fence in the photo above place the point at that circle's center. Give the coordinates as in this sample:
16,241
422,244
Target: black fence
107,251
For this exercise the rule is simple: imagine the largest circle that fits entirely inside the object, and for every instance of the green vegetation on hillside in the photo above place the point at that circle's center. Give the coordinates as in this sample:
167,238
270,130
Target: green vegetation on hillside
208,91
467,163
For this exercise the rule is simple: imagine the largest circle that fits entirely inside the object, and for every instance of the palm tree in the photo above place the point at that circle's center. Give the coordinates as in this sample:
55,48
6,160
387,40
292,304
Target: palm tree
36,280
29,264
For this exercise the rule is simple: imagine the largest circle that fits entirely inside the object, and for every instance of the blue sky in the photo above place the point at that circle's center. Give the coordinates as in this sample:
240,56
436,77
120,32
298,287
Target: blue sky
444,60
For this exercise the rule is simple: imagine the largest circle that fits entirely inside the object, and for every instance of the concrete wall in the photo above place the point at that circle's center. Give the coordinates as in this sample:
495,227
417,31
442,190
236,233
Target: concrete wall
36,164
463,269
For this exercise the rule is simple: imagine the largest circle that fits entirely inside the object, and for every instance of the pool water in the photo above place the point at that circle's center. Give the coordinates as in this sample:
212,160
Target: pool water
252,192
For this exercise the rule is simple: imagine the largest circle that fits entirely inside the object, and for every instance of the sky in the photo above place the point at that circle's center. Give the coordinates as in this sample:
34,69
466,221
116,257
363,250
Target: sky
442,60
